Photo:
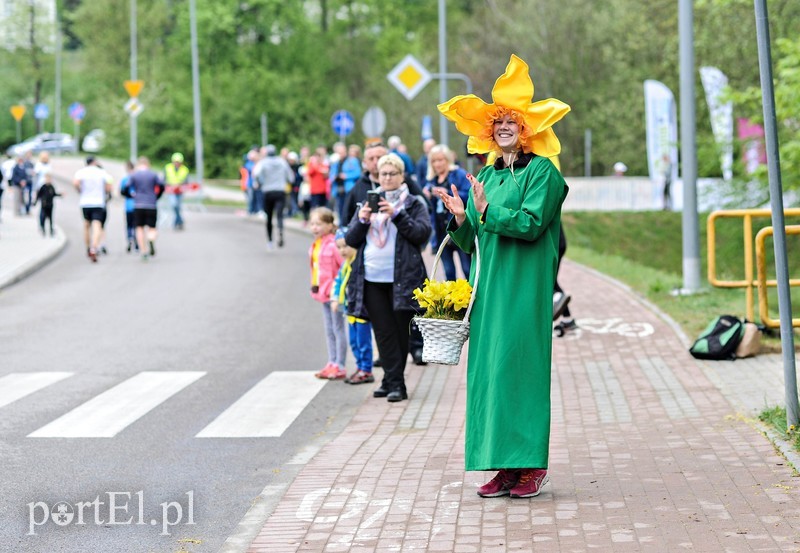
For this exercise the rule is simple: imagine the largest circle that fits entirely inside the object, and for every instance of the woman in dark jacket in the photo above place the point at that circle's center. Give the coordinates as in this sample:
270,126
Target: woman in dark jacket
387,269
443,173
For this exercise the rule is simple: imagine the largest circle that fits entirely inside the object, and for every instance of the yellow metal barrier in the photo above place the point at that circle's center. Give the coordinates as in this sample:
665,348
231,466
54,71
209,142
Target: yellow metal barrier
748,283
763,283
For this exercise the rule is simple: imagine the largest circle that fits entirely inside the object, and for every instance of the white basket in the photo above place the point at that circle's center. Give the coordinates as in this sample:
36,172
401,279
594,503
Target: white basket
442,340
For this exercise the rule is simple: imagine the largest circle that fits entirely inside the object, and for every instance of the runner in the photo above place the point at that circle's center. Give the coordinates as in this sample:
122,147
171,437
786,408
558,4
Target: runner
93,184
147,186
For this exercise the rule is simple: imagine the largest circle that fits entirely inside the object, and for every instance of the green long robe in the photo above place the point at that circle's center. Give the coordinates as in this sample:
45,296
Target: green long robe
510,343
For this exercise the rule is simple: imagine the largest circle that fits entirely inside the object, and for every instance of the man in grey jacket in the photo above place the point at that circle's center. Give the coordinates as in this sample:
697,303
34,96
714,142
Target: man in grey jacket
271,175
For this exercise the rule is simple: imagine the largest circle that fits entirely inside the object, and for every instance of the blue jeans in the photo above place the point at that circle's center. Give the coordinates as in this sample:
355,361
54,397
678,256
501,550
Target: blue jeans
449,264
361,344
176,200
256,201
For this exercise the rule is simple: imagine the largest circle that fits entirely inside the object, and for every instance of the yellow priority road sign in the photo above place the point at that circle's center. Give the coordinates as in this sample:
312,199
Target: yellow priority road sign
409,76
17,112
134,88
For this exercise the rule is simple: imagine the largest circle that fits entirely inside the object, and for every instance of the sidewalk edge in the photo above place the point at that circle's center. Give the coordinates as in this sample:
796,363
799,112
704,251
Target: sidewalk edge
32,265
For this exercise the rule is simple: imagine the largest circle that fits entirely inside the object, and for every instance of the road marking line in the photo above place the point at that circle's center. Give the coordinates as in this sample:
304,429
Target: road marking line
104,416
268,408
15,386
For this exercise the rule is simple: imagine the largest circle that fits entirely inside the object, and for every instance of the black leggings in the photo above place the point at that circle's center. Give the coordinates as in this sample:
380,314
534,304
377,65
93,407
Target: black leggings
391,332
46,214
273,201
562,248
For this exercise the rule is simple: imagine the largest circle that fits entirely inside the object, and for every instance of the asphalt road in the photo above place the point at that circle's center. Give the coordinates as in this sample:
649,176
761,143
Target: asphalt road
213,309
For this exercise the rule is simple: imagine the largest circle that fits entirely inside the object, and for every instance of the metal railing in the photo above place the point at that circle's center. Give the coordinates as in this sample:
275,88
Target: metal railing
749,282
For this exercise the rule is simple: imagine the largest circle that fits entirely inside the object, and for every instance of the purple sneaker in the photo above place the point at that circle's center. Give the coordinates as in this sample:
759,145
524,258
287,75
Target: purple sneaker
501,484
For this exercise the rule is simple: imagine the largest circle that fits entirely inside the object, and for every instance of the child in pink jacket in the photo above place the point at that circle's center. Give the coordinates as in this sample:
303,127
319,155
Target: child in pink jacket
325,263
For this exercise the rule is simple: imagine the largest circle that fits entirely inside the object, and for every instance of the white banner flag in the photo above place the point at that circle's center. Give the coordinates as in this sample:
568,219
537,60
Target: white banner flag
661,125
714,84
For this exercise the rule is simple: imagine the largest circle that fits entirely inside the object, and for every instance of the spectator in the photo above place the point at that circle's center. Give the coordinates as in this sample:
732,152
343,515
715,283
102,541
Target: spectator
317,175
325,264
421,168
45,195
387,268
396,146
360,329
442,174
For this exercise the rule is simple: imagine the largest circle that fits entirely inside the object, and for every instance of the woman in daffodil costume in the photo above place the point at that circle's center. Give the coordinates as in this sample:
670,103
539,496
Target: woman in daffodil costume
514,210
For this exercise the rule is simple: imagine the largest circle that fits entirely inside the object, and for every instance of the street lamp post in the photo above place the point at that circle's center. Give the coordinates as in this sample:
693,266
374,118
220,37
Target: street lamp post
443,128
778,222
691,238
134,138
198,125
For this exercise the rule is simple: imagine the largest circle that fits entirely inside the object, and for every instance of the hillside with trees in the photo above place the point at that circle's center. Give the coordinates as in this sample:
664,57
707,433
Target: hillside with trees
300,61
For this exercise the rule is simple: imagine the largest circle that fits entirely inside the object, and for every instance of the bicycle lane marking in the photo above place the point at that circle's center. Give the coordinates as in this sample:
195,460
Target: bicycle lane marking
614,325
361,505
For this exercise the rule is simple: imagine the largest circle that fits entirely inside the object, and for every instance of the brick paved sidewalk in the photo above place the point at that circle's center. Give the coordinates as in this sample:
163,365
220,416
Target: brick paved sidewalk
647,454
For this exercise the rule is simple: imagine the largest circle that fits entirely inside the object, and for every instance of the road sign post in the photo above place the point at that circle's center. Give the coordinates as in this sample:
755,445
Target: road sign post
374,123
77,112
18,112
342,123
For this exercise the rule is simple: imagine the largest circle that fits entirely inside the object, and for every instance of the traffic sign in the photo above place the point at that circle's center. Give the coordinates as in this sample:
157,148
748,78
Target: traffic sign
374,122
18,112
134,107
409,77
41,111
342,122
427,127
77,111
134,88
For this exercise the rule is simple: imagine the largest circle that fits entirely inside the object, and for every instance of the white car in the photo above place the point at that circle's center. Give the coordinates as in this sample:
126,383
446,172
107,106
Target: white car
93,141
45,142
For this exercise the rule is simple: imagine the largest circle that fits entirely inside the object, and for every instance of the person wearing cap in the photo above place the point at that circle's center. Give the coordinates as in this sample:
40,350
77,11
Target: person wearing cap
514,212
273,173
94,186
176,174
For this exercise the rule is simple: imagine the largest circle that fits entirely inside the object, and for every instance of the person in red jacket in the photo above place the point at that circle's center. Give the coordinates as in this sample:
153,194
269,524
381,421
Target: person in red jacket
317,174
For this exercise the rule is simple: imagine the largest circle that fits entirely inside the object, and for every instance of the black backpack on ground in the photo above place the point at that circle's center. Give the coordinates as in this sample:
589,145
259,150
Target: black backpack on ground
719,340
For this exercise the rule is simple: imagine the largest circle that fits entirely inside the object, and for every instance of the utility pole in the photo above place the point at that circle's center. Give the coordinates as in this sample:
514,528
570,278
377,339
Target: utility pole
198,124
443,124
134,139
776,203
691,237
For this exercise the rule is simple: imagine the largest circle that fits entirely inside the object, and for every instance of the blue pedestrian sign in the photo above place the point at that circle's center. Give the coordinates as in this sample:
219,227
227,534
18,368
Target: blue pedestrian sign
41,111
342,122
77,111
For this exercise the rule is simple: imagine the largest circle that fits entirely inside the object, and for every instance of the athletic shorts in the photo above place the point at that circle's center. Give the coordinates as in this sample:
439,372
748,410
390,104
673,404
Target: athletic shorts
94,214
145,217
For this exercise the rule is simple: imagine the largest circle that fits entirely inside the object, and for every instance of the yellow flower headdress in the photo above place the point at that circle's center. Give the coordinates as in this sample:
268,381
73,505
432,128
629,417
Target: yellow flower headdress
512,95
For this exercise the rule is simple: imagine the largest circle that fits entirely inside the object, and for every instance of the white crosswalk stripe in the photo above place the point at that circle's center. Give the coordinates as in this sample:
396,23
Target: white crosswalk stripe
268,408
15,386
107,414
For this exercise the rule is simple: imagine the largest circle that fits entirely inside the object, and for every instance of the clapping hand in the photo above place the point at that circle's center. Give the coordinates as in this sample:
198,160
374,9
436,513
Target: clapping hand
454,204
